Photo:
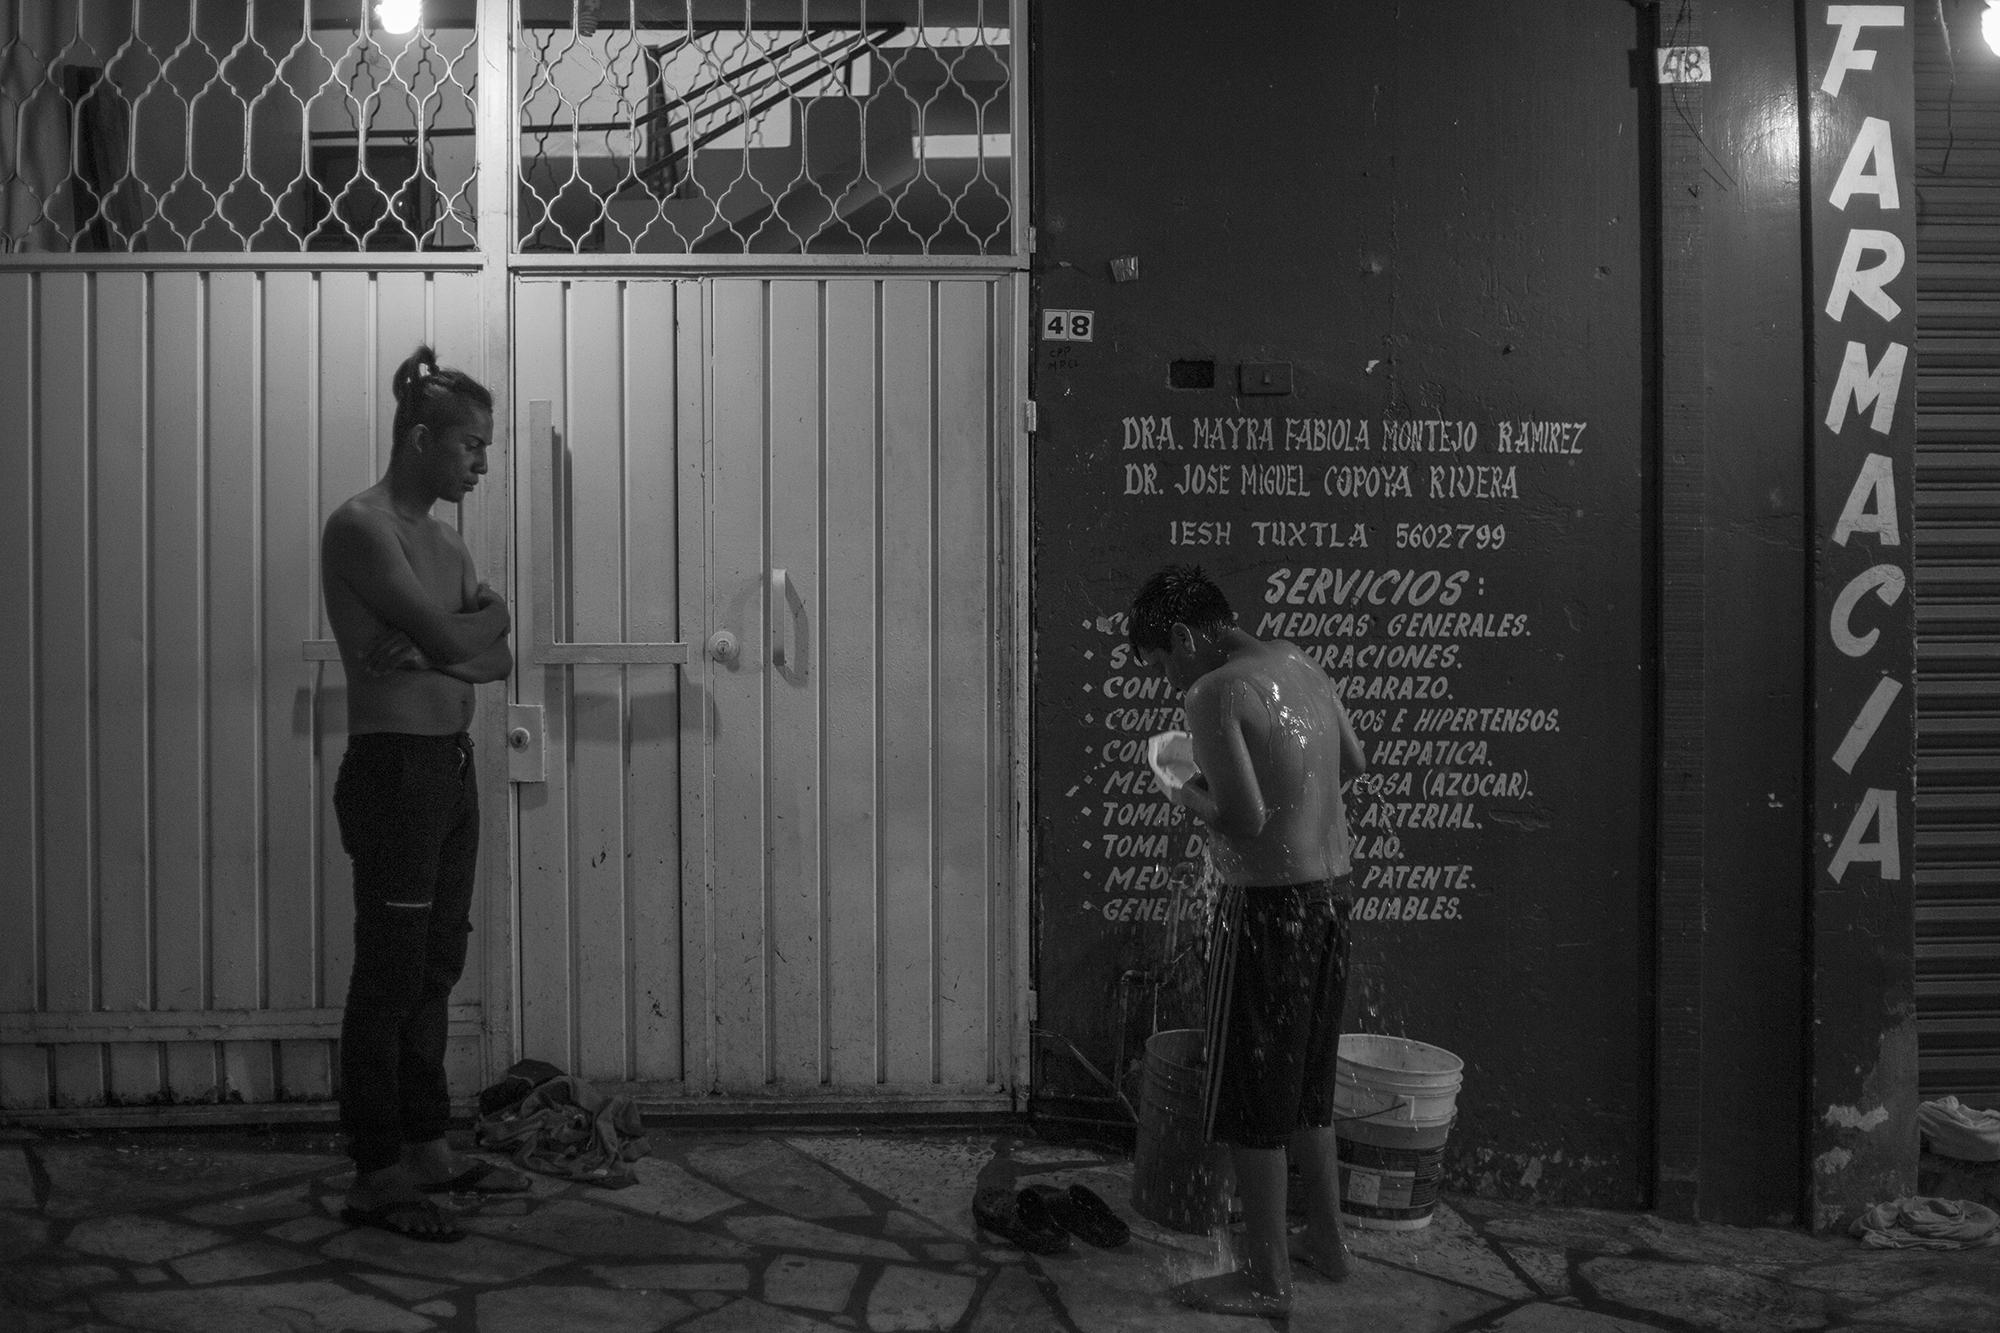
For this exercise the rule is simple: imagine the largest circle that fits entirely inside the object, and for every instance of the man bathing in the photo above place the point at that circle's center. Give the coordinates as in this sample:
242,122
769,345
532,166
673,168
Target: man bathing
1271,744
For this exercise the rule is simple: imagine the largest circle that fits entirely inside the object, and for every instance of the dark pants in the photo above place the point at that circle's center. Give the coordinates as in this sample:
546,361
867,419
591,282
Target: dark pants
409,817
1277,983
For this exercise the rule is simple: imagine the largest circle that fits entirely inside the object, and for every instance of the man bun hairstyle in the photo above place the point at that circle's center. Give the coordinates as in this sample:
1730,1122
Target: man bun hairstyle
1178,594
433,396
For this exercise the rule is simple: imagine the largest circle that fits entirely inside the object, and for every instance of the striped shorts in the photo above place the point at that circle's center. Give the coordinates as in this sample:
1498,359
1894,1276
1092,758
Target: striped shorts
1277,981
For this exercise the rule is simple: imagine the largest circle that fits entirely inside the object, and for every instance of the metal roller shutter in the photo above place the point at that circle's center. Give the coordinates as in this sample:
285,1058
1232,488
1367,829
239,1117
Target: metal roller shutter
1958,558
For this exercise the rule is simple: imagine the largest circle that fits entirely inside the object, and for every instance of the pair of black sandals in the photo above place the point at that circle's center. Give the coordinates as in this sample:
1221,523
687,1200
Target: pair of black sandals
1041,1218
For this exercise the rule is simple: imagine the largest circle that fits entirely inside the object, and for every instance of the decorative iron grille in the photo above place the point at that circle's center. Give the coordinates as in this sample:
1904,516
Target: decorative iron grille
864,127
235,125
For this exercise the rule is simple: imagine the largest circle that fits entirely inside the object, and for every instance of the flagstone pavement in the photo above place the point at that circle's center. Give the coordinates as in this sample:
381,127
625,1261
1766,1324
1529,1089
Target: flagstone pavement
808,1232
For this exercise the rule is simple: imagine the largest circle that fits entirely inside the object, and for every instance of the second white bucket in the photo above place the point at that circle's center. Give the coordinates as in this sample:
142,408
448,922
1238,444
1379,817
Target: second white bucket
1395,1081
1395,1099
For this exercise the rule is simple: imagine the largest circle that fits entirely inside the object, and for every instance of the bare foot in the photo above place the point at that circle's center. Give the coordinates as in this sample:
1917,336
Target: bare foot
391,1184
1329,1260
1233,1293
435,1167
391,1198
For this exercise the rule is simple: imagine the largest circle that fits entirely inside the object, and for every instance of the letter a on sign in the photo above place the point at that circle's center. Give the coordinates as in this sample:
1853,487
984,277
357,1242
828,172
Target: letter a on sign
1871,505
1878,810
1871,145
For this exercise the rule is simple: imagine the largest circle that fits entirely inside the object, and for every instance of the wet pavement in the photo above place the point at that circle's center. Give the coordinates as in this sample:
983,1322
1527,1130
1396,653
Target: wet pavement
731,1232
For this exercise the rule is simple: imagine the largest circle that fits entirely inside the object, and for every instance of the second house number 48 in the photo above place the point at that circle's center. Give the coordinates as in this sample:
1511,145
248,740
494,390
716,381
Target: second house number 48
1073,326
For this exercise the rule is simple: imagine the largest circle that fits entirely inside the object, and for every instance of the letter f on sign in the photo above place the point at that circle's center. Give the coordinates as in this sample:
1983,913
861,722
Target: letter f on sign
1851,19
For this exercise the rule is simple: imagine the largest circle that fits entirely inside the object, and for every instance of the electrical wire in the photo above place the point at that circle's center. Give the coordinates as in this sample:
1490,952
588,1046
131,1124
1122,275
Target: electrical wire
1950,93
1679,95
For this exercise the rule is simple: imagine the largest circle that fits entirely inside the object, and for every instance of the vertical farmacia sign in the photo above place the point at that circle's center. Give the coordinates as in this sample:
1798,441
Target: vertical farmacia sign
1859,105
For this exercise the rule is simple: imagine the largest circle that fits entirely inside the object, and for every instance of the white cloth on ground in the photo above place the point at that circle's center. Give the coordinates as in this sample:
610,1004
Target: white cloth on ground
1960,1131
1928,1224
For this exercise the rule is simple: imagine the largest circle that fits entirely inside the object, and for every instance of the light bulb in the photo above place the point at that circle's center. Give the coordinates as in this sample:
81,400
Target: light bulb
1989,25
399,16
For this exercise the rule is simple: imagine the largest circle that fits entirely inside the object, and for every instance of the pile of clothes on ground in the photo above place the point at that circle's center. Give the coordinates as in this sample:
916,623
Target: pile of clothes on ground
1964,1134
558,1125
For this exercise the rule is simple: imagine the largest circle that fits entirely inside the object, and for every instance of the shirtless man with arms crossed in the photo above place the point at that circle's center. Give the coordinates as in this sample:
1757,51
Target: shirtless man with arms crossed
417,630
1272,744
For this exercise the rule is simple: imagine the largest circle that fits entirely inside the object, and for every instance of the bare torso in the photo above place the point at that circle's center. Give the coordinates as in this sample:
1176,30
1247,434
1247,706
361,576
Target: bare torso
1292,725
427,703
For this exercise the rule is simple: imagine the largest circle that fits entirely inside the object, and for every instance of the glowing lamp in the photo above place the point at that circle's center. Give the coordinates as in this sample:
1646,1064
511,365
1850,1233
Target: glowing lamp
399,16
1989,25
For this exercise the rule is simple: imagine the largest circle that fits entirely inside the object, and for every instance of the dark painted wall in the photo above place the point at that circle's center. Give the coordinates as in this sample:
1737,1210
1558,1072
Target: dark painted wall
1753,984
1432,213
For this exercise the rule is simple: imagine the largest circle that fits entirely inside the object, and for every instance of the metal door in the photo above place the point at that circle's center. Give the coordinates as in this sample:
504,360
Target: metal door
178,920
1957,574
780,871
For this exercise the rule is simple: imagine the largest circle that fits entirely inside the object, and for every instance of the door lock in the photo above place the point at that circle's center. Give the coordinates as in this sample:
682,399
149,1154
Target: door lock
528,762
723,648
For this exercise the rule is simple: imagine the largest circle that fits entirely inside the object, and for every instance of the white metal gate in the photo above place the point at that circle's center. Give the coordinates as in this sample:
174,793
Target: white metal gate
796,881
782,872
177,917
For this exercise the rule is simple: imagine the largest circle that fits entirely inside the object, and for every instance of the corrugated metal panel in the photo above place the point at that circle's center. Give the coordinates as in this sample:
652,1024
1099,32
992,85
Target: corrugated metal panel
600,839
749,879
1958,562
854,428
176,899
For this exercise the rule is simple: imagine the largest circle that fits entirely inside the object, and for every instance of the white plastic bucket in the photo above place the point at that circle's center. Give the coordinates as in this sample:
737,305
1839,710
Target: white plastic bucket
1179,1179
1395,1081
1395,1100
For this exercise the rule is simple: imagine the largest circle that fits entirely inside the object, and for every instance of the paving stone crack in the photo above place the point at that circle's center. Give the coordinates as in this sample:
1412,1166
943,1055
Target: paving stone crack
1499,1249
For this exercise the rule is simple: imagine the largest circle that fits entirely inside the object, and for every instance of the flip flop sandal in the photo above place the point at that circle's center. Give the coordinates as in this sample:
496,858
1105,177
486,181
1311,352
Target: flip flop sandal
384,1218
1085,1216
1082,1212
1036,1214
1019,1219
473,1180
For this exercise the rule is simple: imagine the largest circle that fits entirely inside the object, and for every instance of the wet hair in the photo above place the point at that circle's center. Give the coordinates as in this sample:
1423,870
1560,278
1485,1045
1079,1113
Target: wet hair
1178,594
432,396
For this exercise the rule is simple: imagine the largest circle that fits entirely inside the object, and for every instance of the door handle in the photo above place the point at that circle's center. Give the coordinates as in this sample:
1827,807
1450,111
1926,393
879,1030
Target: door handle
785,593
544,648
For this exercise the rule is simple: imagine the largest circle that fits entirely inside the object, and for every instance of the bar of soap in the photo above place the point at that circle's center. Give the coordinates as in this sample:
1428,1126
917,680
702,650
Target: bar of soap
1171,754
